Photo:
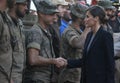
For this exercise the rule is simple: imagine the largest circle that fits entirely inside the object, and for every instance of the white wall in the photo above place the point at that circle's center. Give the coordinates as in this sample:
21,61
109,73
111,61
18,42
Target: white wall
32,6
88,1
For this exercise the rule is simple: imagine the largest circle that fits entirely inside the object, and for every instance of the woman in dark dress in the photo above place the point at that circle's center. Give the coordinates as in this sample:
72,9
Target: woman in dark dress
97,64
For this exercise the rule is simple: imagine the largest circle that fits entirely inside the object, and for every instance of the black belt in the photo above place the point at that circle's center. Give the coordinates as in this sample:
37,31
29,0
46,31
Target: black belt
116,57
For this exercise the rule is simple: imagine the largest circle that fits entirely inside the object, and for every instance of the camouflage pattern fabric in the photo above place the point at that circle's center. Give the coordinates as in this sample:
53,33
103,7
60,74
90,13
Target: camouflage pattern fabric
78,10
42,41
5,49
45,6
20,1
70,52
19,52
106,4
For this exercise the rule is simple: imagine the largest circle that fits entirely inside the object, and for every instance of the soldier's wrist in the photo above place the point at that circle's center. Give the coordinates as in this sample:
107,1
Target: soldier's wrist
52,61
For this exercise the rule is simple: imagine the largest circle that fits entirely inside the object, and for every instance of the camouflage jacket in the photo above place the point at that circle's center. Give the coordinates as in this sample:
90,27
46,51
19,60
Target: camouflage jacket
19,51
40,39
70,52
5,46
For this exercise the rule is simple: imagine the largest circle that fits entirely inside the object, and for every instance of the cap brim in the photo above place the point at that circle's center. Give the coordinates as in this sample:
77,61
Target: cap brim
65,3
74,12
52,12
56,11
110,7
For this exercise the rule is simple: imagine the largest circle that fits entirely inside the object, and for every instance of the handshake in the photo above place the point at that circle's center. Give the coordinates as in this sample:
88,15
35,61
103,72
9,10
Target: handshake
60,62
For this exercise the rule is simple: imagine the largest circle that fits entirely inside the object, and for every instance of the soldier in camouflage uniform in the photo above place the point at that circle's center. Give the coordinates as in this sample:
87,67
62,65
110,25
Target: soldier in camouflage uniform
107,5
17,12
5,42
40,54
73,39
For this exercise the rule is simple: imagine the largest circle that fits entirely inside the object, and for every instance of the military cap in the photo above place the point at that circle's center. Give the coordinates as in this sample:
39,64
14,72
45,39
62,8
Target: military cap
45,6
71,1
20,1
60,2
106,4
78,10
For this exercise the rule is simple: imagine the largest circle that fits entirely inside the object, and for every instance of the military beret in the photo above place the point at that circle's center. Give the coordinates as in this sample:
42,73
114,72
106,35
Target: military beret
78,10
45,6
106,4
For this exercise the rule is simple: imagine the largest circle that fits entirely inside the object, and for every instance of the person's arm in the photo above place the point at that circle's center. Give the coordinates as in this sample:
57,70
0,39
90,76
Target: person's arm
74,63
11,81
70,63
109,58
35,59
75,40
34,50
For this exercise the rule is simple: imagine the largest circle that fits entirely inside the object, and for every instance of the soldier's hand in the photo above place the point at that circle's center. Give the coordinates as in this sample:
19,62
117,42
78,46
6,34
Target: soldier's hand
61,62
87,29
11,81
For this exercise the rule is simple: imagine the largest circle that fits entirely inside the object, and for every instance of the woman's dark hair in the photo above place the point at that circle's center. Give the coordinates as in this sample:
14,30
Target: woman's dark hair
98,11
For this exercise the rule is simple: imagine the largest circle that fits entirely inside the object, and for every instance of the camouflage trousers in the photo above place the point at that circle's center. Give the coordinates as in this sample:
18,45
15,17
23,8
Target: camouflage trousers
17,77
66,77
69,82
3,78
38,81
28,79
35,81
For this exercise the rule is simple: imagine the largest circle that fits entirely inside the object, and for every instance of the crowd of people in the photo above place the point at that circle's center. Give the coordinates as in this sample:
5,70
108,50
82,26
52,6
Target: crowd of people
71,42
